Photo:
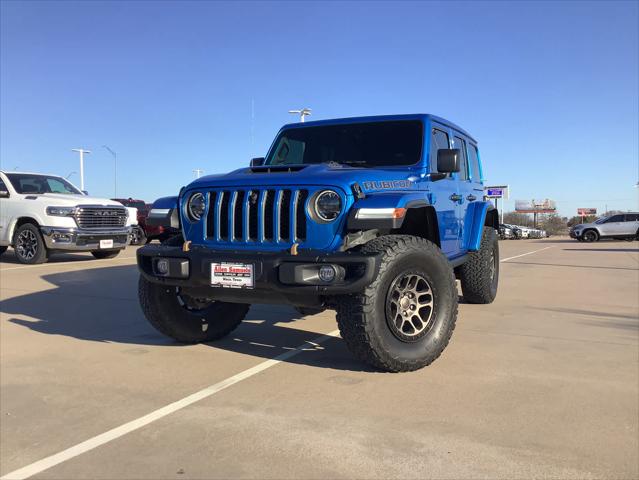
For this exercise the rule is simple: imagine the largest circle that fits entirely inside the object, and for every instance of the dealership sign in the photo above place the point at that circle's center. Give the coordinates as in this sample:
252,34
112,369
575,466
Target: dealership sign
586,211
498,191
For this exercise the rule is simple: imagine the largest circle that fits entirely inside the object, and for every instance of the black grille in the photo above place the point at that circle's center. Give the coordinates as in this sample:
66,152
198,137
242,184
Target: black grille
100,217
268,215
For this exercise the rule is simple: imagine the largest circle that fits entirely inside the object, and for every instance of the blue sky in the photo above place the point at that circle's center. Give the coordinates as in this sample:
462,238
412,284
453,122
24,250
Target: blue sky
549,89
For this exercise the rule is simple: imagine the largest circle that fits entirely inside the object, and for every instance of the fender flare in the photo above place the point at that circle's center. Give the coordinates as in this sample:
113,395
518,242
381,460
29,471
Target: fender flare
384,200
478,215
164,213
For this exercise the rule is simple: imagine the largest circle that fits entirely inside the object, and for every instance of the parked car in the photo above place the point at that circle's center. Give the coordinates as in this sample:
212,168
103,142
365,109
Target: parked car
41,214
138,234
505,232
372,216
622,226
516,231
145,232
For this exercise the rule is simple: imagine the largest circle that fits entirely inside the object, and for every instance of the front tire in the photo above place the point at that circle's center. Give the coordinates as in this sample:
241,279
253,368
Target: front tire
138,237
402,321
29,245
187,319
479,276
103,254
590,236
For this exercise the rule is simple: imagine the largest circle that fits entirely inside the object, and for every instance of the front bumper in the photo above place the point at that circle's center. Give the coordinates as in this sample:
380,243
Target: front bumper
575,234
278,277
82,240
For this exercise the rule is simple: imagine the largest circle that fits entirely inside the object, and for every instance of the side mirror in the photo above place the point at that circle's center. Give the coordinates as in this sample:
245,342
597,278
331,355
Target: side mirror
4,194
257,162
448,160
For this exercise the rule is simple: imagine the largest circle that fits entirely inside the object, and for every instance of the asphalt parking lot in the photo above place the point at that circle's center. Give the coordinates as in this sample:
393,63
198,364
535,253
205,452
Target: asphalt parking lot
543,383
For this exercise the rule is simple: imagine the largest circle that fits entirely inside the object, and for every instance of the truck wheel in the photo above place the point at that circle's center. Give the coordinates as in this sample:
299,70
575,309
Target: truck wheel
590,236
185,318
137,236
479,276
405,318
29,245
3,249
102,254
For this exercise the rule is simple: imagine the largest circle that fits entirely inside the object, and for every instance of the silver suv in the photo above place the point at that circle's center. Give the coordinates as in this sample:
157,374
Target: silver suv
622,226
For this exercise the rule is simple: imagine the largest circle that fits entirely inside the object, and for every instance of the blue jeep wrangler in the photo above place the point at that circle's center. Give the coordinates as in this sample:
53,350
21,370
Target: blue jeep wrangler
374,217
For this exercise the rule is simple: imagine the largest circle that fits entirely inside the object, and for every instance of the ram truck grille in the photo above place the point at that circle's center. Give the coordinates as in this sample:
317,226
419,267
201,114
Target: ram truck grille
257,215
100,217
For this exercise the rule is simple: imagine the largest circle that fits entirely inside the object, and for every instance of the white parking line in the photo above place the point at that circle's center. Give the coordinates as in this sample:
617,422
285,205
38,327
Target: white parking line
524,254
113,434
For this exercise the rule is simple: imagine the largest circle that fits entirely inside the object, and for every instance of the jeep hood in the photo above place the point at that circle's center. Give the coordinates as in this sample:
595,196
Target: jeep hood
344,176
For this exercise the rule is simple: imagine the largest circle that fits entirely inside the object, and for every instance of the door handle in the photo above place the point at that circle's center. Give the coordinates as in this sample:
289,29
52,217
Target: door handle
471,198
456,198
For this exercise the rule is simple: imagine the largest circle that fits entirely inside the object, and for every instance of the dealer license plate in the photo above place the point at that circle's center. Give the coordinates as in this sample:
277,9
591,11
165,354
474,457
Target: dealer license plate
232,275
106,243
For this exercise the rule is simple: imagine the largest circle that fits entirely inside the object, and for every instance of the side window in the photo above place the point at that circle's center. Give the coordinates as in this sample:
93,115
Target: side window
615,218
463,168
473,160
632,217
438,140
3,187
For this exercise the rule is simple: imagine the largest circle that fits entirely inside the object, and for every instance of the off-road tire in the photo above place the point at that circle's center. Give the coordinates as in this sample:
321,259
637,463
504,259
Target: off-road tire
40,255
478,286
362,317
590,236
164,311
103,254
3,249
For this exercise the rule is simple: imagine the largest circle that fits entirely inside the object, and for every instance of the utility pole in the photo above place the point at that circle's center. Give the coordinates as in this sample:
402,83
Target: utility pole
198,172
115,170
302,113
81,151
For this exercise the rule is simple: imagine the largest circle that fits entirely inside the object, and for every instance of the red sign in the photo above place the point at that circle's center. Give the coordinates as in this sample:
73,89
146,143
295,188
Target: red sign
586,211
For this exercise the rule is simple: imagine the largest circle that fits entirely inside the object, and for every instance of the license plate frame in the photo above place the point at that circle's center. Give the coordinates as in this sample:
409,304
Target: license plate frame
233,275
106,243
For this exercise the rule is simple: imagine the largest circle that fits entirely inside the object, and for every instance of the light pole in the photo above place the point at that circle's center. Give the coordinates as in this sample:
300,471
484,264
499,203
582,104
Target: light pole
70,173
302,113
198,172
81,151
115,170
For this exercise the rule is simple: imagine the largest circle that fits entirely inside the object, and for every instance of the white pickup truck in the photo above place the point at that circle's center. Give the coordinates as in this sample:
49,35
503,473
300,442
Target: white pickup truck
40,214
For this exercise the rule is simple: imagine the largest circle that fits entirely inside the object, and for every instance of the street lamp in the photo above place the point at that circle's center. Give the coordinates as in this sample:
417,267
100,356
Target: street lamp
70,173
302,113
115,170
198,172
81,151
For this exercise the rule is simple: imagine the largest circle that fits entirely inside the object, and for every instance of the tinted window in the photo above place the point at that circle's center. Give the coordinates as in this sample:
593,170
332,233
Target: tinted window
473,160
632,217
438,141
463,167
360,144
615,218
33,183
3,187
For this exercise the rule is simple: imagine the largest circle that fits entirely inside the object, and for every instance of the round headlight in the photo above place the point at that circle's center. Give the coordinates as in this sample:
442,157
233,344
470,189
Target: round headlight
195,207
328,205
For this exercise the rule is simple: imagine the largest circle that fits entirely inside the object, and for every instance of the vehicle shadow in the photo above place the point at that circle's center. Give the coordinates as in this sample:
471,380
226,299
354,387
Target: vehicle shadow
573,266
100,305
9,257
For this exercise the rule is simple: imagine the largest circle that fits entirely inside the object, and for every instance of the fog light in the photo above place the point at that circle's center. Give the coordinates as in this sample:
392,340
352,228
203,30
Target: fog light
162,266
327,273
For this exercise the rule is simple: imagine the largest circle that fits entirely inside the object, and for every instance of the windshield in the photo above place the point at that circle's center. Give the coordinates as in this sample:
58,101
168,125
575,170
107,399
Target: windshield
374,144
601,220
34,183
